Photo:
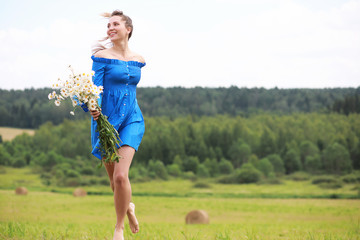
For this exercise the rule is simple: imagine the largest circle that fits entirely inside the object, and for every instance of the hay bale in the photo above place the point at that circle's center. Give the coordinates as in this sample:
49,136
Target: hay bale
79,192
197,217
21,191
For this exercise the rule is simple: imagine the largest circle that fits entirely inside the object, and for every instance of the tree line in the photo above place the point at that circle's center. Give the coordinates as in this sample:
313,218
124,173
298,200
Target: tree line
231,148
30,108
350,104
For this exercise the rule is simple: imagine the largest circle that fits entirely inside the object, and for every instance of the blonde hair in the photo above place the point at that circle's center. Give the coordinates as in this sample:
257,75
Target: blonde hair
127,19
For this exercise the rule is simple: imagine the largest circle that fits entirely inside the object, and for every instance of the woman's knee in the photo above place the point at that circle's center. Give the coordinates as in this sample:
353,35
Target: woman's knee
121,179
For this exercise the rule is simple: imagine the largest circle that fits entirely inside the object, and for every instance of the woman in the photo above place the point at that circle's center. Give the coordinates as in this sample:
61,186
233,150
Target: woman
118,69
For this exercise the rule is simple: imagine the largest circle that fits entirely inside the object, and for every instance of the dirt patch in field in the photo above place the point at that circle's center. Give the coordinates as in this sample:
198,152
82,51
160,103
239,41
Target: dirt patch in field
9,134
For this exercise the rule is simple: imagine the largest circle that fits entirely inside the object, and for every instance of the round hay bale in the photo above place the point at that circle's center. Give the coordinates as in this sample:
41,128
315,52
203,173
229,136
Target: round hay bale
79,192
197,217
21,191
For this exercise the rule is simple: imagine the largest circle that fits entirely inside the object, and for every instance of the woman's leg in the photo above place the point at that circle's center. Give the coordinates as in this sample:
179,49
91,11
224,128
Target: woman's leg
133,222
122,188
110,171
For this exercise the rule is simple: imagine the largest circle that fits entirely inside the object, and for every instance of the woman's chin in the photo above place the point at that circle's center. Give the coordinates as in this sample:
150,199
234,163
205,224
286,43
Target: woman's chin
116,38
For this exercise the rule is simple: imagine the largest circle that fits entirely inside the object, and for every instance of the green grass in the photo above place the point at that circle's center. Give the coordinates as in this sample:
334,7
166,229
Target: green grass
184,188
10,178
161,207
43,215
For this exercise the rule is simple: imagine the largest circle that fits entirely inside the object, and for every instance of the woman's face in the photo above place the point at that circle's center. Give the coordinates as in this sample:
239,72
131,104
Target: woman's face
117,29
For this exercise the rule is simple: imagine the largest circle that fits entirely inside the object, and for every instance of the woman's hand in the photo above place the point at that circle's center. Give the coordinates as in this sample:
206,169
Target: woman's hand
95,114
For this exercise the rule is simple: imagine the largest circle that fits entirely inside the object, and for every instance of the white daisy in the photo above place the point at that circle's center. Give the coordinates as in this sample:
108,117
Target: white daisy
92,107
92,101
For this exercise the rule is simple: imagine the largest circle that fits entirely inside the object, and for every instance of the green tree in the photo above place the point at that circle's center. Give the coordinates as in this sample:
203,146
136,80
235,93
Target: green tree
225,166
178,161
195,145
307,148
265,166
313,163
191,164
18,162
88,170
5,157
239,153
253,160
277,163
355,156
174,170
336,159
71,173
49,160
9,147
247,174
292,161
138,172
267,143
158,169
212,166
202,171
27,108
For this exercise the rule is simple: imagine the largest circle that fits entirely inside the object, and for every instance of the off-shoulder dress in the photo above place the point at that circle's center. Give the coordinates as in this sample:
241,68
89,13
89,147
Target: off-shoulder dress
118,100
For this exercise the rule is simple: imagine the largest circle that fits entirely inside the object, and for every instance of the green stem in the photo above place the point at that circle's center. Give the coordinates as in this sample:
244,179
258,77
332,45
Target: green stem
109,139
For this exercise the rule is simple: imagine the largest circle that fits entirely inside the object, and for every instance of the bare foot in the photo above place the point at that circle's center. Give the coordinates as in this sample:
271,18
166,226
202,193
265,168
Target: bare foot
118,233
133,222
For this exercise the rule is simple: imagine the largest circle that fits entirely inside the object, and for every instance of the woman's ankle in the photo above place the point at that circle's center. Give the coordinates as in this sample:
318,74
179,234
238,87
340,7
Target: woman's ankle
119,226
131,208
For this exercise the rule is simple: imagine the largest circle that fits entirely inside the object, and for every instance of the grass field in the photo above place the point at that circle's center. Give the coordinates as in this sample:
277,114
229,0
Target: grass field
43,215
47,215
10,178
9,134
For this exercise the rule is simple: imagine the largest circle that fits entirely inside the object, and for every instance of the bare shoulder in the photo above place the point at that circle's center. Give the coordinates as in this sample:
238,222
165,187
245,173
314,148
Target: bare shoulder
103,54
139,58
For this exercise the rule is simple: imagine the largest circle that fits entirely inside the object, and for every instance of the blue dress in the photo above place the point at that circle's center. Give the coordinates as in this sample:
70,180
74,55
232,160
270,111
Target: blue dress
118,100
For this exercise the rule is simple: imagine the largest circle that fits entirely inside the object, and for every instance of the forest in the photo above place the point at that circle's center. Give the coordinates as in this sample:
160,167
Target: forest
233,135
30,108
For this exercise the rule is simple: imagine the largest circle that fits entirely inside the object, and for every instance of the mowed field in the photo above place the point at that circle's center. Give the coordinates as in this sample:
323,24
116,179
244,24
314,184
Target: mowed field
43,214
9,134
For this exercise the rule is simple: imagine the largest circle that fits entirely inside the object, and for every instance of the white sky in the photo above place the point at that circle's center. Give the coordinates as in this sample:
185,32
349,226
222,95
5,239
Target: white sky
210,43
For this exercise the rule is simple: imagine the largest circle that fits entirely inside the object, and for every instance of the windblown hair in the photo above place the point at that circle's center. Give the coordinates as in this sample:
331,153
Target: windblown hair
127,19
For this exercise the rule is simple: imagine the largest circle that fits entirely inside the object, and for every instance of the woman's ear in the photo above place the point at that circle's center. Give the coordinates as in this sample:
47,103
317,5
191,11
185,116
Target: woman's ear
129,29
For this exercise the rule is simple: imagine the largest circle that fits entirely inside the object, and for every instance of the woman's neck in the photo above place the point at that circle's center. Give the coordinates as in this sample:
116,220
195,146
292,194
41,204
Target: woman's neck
121,48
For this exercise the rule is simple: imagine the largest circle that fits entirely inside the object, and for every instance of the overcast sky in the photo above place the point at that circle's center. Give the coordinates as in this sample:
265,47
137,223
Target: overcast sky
188,43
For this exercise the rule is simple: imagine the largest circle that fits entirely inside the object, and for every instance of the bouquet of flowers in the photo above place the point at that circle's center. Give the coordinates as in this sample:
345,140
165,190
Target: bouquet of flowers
82,91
